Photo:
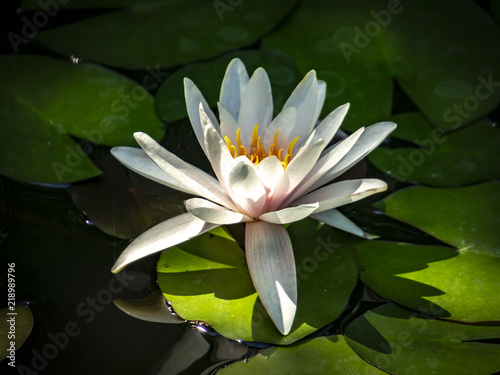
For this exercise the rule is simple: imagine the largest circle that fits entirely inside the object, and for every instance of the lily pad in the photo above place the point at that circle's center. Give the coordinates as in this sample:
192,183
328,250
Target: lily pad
323,355
455,284
123,204
151,33
44,100
207,279
404,342
282,71
22,328
440,281
466,156
466,218
358,47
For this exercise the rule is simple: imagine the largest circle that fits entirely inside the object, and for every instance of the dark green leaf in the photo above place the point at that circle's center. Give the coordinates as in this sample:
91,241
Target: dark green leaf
357,47
468,155
166,32
44,100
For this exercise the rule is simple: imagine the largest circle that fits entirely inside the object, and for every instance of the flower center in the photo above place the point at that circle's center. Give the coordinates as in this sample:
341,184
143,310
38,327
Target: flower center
257,152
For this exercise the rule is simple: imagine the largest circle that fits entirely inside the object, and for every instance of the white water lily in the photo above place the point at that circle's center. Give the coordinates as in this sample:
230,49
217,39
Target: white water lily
269,172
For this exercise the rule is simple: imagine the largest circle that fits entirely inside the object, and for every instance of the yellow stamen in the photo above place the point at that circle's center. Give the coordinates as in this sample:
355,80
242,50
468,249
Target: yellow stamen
256,151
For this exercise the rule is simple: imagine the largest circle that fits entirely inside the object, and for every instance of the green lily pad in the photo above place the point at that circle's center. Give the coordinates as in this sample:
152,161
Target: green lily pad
151,33
466,218
123,204
282,71
207,279
466,156
23,324
455,284
323,355
44,100
404,342
440,281
357,47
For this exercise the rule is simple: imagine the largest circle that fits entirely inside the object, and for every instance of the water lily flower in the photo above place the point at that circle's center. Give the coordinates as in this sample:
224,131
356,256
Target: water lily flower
268,172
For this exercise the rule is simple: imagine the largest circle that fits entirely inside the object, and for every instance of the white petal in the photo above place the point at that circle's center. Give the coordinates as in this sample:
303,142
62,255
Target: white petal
371,138
228,125
233,86
139,162
256,106
320,100
245,187
269,171
285,120
271,264
303,98
325,164
166,234
298,168
193,99
336,219
213,213
289,214
343,192
193,178
329,126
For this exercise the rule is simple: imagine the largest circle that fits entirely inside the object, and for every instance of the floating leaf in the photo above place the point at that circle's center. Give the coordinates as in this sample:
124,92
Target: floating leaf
207,279
357,47
404,342
45,99
207,76
23,324
466,218
469,155
323,355
151,33
441,281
